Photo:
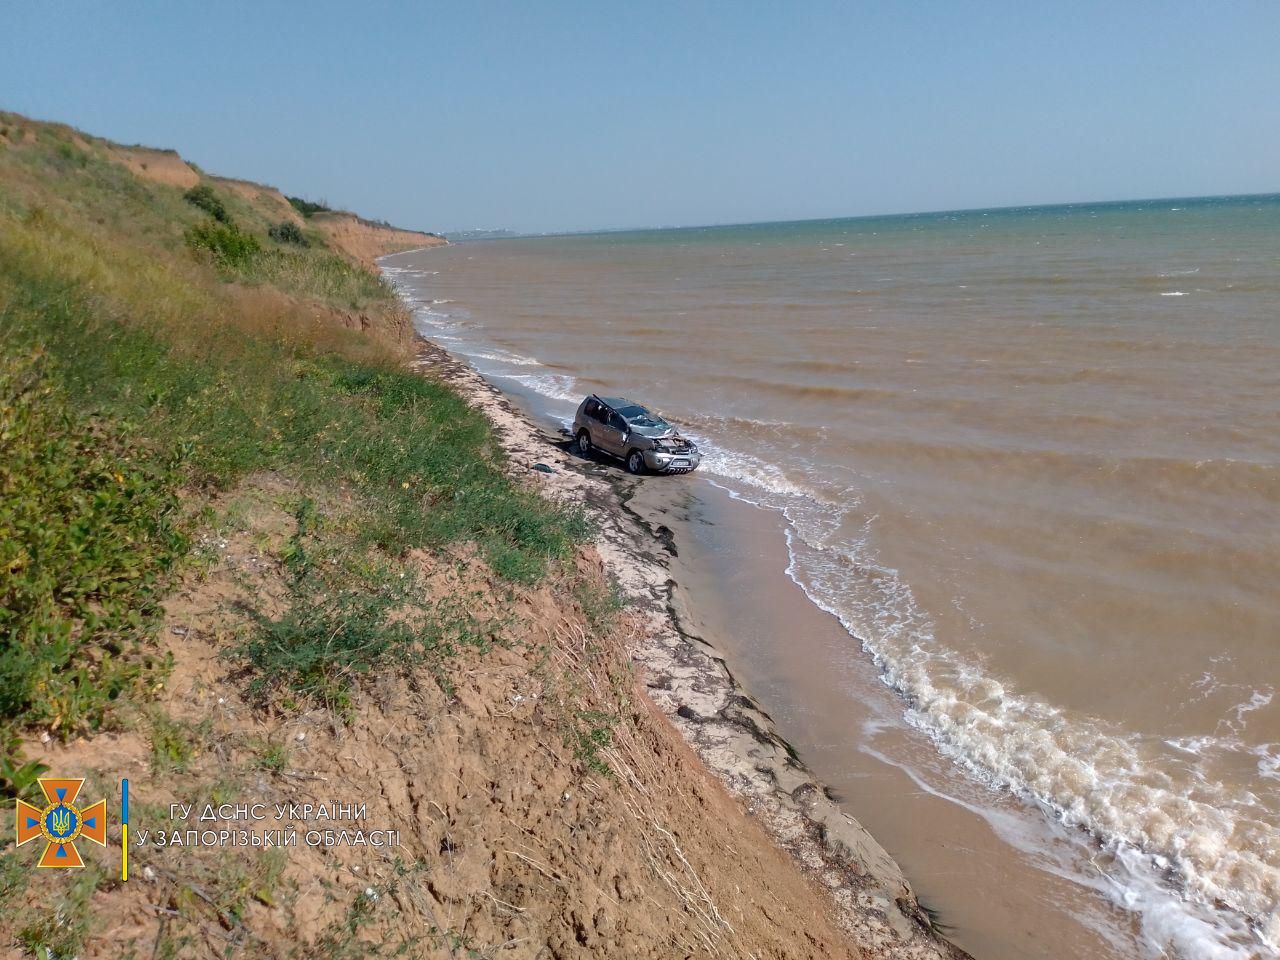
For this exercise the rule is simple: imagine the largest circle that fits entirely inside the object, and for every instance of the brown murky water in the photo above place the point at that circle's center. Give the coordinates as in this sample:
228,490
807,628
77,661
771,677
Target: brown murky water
1028,460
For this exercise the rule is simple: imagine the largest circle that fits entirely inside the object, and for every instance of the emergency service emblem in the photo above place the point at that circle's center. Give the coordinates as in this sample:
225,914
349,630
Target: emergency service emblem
61,823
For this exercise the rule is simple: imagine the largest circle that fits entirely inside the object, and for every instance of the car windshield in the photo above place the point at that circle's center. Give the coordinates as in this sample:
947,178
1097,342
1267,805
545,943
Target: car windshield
638,416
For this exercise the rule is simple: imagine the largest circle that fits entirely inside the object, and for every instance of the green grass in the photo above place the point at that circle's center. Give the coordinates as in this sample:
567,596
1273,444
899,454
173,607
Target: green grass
589,732
174,744
425,464
136,383
346,618
271,756
601,603
308,272
88,533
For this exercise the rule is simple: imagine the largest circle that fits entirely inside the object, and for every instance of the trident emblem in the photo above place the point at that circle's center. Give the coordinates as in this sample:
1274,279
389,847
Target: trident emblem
61,822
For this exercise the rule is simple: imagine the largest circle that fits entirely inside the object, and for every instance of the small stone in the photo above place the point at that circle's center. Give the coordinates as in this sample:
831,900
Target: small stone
301,736
179,631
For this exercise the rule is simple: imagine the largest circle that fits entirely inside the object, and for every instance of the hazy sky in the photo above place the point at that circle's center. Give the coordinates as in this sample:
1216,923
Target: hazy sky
548,116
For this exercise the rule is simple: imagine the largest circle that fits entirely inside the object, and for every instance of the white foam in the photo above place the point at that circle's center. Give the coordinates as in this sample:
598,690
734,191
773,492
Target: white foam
514,359
1176,848
1257,700
553,386
748,469
1268,761
1174,293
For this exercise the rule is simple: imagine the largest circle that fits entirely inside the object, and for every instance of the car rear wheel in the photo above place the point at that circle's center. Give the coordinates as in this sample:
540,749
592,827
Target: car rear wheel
635,461
584,443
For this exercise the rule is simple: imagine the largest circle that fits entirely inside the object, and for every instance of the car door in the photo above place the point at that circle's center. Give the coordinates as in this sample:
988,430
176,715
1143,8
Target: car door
613,432
591,419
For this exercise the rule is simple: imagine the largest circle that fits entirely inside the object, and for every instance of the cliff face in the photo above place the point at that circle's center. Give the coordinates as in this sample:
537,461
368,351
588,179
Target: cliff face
159,166
365,241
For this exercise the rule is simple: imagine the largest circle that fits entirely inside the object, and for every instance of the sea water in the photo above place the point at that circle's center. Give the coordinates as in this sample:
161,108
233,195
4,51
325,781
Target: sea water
1029,458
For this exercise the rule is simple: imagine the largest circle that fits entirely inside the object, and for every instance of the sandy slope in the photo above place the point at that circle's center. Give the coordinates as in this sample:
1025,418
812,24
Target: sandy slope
511,845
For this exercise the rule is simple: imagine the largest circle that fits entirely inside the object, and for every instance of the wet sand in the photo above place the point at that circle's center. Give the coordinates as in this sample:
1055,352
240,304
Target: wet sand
729,566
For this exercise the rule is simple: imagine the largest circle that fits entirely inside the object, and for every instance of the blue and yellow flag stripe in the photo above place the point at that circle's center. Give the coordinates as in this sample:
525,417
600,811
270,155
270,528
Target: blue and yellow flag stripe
124,829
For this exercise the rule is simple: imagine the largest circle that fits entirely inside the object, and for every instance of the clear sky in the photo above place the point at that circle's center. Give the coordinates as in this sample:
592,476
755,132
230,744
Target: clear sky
571,115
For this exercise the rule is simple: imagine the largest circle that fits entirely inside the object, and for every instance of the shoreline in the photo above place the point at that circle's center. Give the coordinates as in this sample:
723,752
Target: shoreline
689,680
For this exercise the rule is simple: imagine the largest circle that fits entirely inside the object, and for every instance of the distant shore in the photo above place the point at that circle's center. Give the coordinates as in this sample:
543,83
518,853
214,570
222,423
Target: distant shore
687,678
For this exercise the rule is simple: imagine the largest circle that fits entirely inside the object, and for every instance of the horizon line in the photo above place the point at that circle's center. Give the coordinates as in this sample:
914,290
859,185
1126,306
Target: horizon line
521,235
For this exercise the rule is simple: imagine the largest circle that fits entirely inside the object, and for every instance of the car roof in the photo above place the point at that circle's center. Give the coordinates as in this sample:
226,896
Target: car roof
616,402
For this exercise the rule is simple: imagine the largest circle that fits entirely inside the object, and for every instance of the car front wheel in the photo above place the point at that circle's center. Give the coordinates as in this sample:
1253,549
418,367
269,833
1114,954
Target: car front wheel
584,443
635,461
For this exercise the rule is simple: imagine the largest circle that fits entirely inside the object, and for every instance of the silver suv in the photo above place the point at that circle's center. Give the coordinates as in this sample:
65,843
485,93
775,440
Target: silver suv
626,430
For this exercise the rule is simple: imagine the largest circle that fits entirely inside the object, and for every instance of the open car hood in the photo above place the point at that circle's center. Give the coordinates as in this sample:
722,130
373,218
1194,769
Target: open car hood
654,433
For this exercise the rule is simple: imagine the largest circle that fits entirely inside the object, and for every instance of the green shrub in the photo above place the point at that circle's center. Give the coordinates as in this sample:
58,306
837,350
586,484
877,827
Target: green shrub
288,232
230,245
202,196
307,207
271,756
71,157
19,780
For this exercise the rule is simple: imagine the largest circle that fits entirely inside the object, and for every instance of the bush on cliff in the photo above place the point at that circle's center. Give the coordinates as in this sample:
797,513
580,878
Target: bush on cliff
229,245
288,232
307,207
202,196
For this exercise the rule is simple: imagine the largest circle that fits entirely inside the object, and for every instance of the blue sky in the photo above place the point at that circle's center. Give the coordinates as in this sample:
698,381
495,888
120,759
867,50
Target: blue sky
574,115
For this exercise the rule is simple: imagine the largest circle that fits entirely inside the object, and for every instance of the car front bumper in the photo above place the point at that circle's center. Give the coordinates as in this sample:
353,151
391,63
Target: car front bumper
663,461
